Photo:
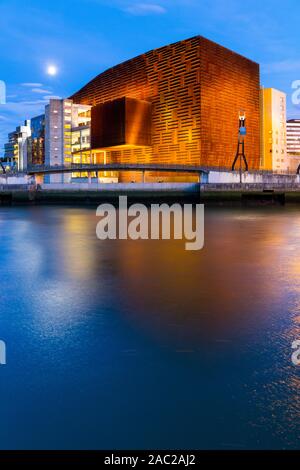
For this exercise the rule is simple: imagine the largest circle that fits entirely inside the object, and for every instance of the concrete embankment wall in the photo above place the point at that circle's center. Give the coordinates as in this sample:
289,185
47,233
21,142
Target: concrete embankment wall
120,187
258,188
100,191
233,177
15,180
221,187
256,193
286,188
92,193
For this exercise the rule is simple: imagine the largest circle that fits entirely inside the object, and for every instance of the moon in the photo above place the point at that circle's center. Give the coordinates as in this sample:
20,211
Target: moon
52,70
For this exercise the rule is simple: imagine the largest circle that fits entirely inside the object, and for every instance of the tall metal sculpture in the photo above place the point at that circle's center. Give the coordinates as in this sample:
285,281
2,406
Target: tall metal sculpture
240,153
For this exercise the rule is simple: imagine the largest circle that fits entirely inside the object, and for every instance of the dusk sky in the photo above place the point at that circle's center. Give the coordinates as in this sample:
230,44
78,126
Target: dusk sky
84,37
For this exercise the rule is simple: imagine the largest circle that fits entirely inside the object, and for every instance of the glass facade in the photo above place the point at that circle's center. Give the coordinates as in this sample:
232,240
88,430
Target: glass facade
36,144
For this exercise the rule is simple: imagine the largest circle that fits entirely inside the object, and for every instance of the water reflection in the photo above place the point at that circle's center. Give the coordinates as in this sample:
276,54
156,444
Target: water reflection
77,236
104,332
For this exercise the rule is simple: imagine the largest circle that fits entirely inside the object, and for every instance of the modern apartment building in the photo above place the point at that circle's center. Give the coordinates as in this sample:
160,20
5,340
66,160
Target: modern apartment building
273,130
15,153
293,143
36,142
67,130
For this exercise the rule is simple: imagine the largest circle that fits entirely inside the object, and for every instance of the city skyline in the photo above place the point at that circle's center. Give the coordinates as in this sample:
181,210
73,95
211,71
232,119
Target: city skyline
83,47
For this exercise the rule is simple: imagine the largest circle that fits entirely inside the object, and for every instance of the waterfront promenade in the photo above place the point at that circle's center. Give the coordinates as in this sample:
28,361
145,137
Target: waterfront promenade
216,185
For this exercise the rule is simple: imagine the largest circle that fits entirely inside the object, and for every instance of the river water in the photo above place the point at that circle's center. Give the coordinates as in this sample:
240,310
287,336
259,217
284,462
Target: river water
141,344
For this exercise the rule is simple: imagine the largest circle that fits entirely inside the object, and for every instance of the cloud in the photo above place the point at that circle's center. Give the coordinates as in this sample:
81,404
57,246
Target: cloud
41,91
52,97
23,109
14,113
143,9
32,85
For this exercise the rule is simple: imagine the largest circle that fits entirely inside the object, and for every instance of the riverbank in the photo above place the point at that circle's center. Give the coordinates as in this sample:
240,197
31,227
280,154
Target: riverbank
256,194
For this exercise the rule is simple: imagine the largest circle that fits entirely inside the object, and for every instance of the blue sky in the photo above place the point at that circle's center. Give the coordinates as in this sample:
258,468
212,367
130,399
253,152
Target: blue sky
84,37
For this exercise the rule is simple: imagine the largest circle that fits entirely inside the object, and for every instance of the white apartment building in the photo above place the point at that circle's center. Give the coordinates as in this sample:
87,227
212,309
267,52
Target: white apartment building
16,148
61,137
293,143
67,130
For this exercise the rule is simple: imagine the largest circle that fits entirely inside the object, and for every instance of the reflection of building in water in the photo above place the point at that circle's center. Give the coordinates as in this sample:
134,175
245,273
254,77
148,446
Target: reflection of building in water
78,255
213,307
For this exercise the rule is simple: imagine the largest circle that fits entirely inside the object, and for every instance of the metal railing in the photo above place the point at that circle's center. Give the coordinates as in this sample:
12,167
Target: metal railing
147,167
92,167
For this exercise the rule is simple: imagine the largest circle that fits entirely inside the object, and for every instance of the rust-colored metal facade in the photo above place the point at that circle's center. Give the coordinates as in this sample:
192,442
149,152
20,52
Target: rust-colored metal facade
121,122
196,88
